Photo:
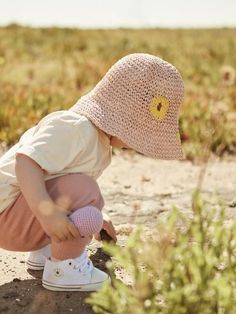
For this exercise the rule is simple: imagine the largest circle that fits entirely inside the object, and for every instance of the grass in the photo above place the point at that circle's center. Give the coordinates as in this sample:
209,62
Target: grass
187,266
42,70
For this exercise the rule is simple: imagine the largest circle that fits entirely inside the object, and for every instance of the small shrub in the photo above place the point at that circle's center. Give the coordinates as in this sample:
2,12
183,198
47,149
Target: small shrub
189,266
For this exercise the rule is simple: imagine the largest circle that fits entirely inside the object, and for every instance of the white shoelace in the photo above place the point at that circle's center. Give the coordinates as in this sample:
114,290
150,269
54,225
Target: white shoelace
83,263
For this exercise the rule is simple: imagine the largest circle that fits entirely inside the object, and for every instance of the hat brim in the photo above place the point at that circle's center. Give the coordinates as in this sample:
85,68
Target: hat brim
159,144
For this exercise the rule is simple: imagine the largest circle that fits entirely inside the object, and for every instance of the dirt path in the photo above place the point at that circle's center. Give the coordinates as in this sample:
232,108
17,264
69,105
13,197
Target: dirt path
137,190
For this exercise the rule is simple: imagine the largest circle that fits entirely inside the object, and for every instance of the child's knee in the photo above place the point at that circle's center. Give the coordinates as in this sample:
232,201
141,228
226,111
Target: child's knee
88,220
91,191
96,196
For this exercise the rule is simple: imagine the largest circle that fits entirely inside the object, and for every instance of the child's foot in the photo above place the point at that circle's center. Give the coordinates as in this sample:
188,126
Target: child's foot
37,259
77,274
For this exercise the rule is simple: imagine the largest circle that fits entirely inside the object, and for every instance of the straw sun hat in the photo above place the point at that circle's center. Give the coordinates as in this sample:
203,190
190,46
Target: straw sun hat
138,101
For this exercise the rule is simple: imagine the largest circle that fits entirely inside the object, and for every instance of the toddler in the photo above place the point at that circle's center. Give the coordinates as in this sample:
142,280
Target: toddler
50,203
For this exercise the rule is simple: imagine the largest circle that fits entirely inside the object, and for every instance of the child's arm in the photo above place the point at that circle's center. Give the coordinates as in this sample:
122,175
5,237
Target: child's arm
53,218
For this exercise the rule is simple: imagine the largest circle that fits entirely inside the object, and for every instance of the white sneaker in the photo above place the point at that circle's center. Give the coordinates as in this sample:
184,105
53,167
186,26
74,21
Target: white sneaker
37,259
77,274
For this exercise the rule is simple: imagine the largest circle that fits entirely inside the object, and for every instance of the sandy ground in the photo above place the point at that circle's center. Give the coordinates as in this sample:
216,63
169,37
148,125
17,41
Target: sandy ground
137,190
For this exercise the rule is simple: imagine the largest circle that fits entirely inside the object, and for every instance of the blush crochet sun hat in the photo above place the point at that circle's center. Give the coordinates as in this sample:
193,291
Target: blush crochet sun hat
138,101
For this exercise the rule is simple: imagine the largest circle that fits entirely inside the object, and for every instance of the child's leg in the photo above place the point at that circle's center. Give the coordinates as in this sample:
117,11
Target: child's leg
20,230
89,221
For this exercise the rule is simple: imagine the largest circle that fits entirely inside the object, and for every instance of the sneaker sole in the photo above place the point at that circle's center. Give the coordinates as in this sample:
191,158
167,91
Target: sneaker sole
34,266
88,287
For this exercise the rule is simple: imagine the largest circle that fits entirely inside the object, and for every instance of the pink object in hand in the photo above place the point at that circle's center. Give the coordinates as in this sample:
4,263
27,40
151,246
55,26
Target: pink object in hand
88,220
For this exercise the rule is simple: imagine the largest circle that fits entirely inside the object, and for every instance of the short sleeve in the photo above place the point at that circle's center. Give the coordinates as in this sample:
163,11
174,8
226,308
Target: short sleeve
54,143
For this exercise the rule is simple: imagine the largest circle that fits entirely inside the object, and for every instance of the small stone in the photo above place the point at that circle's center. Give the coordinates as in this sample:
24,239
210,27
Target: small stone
233,204
127,186
136,205
146,179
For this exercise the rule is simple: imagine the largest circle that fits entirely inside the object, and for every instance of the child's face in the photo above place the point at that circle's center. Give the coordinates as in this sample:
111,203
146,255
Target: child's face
117,143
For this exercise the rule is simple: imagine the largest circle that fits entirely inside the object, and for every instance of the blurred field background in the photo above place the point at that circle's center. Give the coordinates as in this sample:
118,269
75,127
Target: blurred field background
48,69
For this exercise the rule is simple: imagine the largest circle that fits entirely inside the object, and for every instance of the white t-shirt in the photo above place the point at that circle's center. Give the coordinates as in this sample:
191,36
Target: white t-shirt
63,142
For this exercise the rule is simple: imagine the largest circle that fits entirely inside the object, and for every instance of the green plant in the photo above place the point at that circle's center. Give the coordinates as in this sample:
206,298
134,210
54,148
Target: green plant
188,266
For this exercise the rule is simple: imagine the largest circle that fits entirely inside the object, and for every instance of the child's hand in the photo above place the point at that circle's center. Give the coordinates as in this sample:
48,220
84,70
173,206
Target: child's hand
59,227
108,226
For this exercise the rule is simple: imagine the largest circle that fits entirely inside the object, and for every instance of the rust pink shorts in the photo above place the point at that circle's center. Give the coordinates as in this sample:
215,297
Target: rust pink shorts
21,231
